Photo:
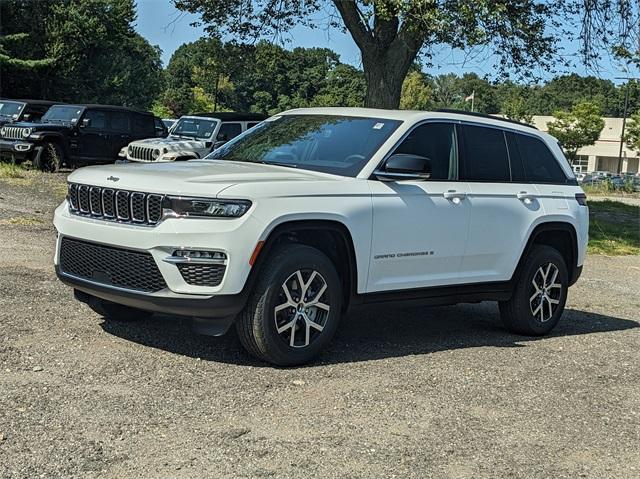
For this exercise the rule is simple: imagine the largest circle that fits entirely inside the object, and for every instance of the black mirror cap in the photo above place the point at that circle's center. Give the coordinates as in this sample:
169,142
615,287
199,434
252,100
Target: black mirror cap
409,164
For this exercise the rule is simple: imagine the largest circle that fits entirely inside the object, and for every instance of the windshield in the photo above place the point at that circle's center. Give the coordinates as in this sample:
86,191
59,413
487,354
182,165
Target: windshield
194,128
63,113
10,109
340,145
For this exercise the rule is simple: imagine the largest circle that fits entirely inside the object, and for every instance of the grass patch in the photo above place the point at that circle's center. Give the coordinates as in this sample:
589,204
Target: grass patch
599,190
614,228
11,171
23,221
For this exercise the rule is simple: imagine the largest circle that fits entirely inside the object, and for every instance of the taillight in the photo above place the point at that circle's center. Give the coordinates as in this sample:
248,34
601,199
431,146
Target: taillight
581,198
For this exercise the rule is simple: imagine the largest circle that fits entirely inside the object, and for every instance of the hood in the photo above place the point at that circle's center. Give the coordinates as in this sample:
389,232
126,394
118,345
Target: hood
171,143
42,126
207,178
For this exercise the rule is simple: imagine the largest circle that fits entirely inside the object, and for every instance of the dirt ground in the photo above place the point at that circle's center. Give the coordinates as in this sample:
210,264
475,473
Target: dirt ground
407,392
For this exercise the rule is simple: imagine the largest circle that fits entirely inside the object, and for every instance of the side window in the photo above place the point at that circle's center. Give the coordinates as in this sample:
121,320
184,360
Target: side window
485,155
229,131
251,124
119,121
436,141
143,125
98,119
540,166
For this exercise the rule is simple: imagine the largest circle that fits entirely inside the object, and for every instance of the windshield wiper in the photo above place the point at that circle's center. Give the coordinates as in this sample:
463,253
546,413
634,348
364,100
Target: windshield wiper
287,165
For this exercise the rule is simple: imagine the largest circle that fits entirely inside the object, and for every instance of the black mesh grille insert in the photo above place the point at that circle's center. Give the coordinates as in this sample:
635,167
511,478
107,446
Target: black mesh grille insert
73,196
154,203
202,274
110,266
137,207
108,203
122,205
95,201
83,198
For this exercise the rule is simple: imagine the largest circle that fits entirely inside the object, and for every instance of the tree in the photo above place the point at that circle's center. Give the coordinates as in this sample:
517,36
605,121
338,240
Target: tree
392,33
577,128
632,135
416,92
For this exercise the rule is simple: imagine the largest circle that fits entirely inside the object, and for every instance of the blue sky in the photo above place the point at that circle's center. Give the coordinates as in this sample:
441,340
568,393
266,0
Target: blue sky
163,25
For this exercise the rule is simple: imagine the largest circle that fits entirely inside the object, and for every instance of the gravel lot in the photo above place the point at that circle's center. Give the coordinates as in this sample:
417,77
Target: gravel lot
413,392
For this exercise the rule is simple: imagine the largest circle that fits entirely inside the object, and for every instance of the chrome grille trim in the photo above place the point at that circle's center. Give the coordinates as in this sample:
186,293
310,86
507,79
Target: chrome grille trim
13,133
136,207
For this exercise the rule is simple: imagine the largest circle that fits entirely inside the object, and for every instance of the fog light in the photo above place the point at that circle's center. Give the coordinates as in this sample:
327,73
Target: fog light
189,253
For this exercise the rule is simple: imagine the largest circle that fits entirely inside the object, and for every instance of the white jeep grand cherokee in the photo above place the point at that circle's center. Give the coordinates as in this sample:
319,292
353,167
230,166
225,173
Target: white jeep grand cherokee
319,210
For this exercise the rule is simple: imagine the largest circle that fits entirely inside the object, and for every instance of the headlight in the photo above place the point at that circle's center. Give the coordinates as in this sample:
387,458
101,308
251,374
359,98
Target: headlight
26,132
3,131
204,207
155,154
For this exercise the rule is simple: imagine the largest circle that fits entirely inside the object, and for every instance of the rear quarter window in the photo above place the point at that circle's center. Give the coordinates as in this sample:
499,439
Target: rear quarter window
539,164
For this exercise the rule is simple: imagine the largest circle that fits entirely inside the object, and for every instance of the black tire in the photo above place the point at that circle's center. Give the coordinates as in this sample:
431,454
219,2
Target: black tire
117,312
257,325
50,159
517,314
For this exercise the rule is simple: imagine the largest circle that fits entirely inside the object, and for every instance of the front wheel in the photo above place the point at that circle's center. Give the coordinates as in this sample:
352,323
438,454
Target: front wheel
540,294
49,159
294,309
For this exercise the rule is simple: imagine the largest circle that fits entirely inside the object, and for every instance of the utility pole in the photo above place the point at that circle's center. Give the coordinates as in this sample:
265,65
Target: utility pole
624,118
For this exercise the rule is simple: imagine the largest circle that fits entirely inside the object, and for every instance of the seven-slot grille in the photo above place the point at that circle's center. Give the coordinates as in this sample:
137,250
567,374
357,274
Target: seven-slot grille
141,152
111,266
13,133
116,205
202,274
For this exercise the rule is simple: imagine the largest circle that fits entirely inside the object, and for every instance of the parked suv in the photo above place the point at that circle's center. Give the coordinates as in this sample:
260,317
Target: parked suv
22,110
316,211
76,135
192,137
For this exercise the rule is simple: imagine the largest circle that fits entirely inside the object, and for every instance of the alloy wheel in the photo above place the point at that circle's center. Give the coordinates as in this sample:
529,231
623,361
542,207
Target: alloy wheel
303,308
546,293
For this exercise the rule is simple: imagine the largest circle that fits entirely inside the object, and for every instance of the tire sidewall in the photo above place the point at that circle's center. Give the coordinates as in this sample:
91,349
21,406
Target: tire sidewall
300,257
541,257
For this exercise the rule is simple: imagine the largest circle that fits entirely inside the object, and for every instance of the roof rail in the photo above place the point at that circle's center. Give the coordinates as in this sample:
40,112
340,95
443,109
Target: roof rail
483,115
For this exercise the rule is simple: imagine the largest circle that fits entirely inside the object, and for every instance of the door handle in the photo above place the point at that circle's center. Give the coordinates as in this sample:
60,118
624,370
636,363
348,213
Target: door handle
526,198
455,196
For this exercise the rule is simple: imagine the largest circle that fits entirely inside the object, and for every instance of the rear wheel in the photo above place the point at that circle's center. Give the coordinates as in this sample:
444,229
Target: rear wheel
540,294
50,159
117,312
294,309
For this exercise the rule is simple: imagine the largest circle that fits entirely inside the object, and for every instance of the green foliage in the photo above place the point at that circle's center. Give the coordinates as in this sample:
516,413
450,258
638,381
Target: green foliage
91,52
581,126
416,92
522,35
632,133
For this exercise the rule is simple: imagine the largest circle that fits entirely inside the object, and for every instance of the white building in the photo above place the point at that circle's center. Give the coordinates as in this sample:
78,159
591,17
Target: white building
603,155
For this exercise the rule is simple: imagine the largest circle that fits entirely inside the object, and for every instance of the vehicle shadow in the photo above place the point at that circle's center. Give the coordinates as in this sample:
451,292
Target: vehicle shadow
371,333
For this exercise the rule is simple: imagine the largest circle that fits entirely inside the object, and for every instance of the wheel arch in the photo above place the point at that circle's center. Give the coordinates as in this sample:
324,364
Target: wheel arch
560,235
331,237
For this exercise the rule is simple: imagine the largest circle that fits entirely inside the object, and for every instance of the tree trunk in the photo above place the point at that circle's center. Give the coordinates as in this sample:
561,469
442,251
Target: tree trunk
384,74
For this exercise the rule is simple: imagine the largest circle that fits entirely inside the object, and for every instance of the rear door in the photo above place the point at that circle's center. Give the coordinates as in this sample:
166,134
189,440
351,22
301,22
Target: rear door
503,204
120,133
93,139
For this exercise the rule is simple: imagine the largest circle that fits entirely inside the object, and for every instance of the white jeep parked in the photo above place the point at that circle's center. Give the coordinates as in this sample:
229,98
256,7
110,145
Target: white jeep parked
316,211
191,137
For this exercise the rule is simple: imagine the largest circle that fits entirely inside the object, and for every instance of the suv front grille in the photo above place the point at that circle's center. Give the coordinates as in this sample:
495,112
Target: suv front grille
202,274
144,153
13,133
115,205
110,266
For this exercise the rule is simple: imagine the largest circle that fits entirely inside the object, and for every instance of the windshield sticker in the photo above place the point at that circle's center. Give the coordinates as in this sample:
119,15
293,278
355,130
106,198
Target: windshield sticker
378,126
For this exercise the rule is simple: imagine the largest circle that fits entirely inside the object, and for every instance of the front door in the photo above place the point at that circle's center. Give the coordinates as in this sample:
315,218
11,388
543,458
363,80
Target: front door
420,227
93,137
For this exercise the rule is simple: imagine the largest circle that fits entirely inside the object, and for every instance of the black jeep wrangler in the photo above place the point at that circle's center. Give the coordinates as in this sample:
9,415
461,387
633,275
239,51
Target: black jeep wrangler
77,135
22,110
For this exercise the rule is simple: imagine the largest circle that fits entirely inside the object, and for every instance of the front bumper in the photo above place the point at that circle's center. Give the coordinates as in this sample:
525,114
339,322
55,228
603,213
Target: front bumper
16,148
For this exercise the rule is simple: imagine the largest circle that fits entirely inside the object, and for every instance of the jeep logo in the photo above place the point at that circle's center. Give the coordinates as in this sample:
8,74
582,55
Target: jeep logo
113,178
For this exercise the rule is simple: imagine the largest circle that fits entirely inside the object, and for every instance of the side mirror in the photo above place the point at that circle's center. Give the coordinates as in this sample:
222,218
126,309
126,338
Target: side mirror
402,166
26,117
221,137
85,123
